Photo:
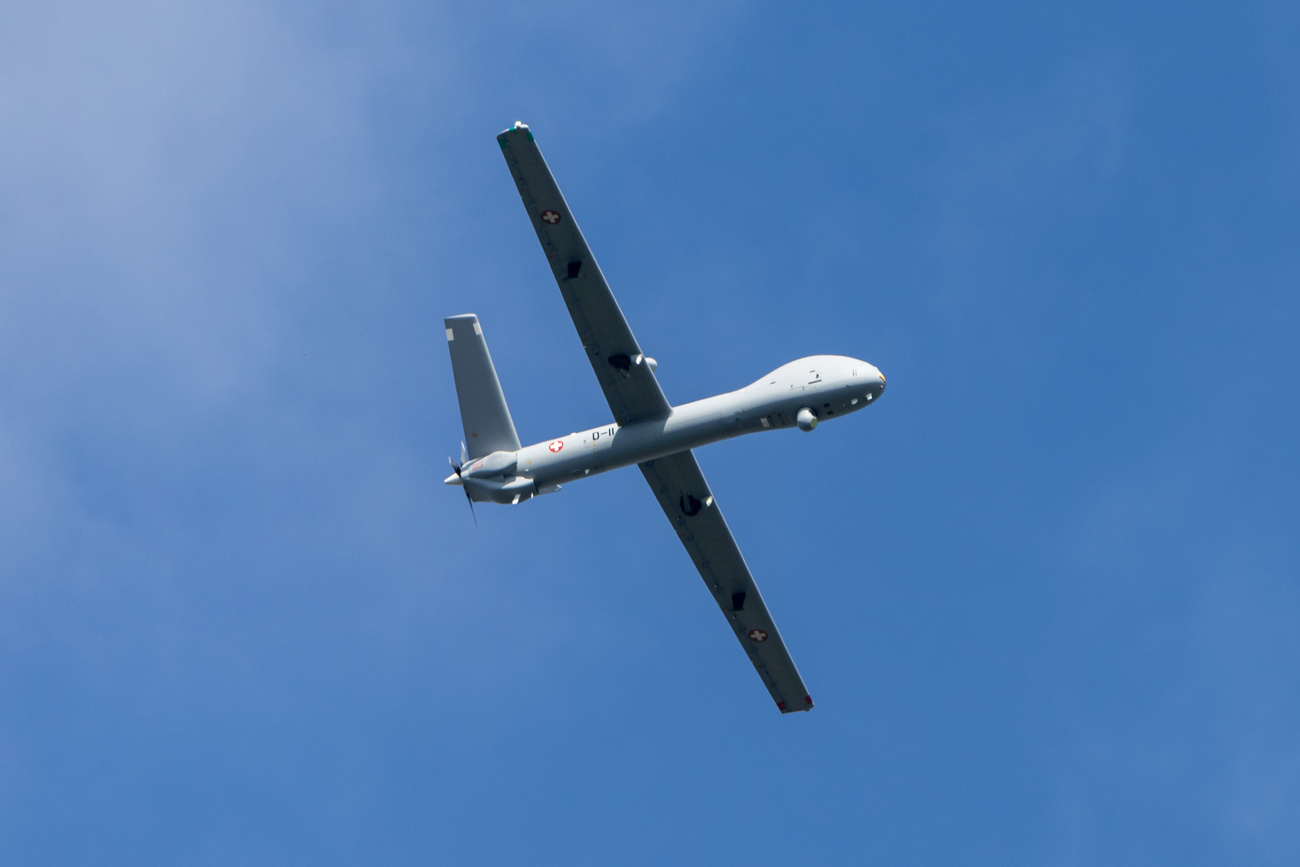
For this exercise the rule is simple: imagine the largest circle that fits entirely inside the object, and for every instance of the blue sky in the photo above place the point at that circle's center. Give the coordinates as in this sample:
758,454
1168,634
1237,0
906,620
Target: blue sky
1045,593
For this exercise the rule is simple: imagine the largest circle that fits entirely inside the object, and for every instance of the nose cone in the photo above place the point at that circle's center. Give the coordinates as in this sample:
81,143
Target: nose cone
875,382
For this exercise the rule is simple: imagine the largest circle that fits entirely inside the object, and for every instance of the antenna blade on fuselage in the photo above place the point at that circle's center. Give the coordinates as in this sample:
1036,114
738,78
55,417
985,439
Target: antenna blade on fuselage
625,376
685,498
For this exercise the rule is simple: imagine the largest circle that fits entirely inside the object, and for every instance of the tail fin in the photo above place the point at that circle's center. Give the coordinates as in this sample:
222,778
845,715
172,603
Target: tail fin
483,411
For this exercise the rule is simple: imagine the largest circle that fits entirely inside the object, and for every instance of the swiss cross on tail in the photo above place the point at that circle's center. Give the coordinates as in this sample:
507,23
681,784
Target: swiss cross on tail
647,430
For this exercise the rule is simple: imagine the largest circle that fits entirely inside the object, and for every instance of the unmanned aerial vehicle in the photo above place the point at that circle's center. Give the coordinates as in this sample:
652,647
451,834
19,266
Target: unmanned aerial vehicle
647,430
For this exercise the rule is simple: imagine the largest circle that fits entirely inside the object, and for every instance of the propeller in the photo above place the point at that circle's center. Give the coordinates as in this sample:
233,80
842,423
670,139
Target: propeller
455,468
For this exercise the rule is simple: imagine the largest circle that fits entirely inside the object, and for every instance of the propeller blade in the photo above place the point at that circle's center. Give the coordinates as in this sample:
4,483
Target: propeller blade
455,468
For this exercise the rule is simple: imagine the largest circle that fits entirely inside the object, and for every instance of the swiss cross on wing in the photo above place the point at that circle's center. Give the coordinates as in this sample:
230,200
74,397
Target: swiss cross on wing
550,218
556,446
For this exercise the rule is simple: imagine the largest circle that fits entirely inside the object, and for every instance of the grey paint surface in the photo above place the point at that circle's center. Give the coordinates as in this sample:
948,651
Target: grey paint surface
647,430
697,519
483,412
633,394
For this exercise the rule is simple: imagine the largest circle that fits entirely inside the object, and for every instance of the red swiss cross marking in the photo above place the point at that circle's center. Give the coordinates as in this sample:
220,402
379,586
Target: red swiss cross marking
757,635
556,446
550,217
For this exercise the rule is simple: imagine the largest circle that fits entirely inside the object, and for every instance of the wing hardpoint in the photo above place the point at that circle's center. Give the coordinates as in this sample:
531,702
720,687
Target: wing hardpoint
630,386
685,498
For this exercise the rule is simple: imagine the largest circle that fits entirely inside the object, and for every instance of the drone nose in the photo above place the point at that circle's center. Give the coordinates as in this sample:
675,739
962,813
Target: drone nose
877,388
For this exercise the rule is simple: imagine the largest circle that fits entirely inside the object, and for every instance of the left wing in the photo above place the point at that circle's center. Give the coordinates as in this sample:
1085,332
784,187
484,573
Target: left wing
686,500
629,384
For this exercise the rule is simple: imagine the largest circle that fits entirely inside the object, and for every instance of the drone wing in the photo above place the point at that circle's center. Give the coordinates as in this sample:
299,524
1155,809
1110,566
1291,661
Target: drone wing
629,384
685,498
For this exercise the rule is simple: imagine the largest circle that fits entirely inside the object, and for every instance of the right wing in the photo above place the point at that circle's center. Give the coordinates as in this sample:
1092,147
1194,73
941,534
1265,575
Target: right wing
685,498
630,386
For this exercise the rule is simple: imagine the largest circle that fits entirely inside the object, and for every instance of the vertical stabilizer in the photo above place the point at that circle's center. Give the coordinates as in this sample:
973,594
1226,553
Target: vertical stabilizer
483,411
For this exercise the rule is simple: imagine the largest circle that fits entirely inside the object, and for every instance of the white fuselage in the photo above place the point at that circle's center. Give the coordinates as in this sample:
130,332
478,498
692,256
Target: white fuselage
826,386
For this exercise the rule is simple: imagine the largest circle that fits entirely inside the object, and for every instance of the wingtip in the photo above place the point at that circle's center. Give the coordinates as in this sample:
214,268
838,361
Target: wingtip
519,126
784,708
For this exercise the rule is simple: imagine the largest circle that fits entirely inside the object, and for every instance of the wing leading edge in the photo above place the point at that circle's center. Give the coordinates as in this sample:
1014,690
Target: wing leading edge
629,384
685,498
